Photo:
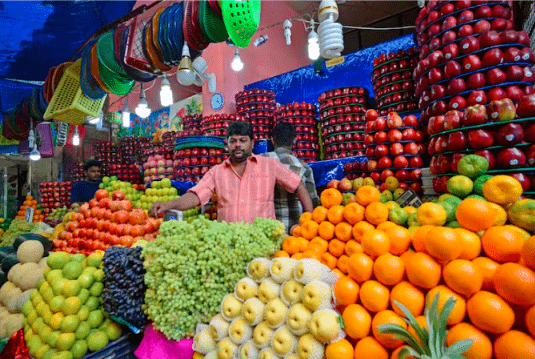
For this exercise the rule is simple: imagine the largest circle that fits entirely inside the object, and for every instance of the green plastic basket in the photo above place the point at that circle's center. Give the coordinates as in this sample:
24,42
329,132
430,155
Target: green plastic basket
211,24
106,55
241,18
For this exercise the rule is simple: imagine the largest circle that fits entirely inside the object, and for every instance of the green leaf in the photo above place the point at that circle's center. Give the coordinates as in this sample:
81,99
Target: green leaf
443,321
408,351
458,348
411,320
431,321
402,334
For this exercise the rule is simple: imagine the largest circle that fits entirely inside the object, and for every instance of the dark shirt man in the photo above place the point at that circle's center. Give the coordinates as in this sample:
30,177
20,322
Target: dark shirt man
84,191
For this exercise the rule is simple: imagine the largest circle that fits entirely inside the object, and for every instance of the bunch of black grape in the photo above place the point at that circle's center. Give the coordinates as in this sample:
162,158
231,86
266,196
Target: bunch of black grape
124,286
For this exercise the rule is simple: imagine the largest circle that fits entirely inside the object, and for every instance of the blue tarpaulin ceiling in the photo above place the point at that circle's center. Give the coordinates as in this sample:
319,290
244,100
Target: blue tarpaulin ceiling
37,35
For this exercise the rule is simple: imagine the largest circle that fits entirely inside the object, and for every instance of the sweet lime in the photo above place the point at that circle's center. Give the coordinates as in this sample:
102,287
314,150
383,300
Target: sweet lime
473,166
479,182
398,215
460,186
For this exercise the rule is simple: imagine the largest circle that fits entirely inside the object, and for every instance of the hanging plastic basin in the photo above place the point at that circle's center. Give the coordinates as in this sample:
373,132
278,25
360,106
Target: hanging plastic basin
106,56
135,74
191,27
115,84
211,24
241,19
87,83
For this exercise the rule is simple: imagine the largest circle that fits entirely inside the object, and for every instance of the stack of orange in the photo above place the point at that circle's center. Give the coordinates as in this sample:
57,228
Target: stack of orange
490,274
38,216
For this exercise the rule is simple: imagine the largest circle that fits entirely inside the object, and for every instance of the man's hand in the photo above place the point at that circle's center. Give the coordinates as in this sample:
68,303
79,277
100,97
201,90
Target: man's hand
159,207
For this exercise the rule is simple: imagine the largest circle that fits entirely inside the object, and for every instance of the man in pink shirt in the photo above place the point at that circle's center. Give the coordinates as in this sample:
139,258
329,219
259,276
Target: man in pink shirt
244,183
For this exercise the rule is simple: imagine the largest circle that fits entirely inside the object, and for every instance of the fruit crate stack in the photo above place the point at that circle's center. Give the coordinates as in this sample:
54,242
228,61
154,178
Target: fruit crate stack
194,158
394,147
216,125
257,106
78,172
469,54
192,125
393,83
303,117
168,141
107,154
342,121
55,195
128,172
131,147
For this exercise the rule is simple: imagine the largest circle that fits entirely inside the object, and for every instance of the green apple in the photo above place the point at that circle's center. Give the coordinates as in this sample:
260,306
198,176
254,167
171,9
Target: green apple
105,179
96,289
83,313
98,275
86,280
53,337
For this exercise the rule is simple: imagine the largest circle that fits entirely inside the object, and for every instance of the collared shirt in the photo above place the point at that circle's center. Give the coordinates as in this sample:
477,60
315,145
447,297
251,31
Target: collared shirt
242,199
288,208
84,191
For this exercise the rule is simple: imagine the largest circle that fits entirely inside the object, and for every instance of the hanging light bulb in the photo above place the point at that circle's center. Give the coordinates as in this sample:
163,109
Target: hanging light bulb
313,44
287,25
95,120
126,114
237,64
142,109
185,74
76,137
35,155
166,94
31,138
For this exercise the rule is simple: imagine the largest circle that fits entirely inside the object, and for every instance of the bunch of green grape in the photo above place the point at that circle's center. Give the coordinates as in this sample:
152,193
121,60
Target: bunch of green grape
17,227
194,264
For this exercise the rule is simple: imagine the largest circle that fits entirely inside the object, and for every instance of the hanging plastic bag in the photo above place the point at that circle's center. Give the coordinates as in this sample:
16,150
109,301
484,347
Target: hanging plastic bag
155,345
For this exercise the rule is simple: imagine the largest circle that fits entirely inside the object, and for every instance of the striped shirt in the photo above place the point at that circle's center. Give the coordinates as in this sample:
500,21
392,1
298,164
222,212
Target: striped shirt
242,199
288,208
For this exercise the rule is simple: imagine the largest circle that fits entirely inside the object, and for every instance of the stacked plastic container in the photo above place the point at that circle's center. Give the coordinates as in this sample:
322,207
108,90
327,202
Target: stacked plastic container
108,155
257,106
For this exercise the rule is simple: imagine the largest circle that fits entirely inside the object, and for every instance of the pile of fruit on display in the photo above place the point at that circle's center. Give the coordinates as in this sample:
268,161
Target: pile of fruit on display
55,195
394,147
78,173
105,221
192,126
158,166
127,172
501,133
16,228
216,125
159,191
194,264
38,214
130,148
64,317
257,106
392,81
56,216
167,141
133,192
470,54
107,154
342,121
124,287
282,309
355,169
194,158
4,224
303,117
20,274
478,250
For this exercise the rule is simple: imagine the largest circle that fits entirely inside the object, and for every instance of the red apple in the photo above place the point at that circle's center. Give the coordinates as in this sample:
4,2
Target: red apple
457,141
465,30
437,92
492,57
380,151
379,124
411,148
453,119
530,154
510,134
480,138
393,120
450,51
415,175
508,37
456,86
471,63
400,162
510,158
529,133
496,93
455,161
488,39
409,134
495,76
523,179
502,110
489,156
466,16
457,103
453,68
514,93
514,73
415,162
396,149
477,97
526,106
402,175
411,120
482,12
475,81
384,163
499,24
394,136
482,26
512,54
468,45
449,36
385,174
434,76
475,115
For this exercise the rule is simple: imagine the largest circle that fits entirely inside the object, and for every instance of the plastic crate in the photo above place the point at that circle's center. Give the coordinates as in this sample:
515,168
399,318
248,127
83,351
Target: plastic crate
122,348
69,104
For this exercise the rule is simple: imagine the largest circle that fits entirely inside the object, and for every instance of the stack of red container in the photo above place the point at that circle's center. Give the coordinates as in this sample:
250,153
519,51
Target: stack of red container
193,163
216,125
107,154
257,106
191,125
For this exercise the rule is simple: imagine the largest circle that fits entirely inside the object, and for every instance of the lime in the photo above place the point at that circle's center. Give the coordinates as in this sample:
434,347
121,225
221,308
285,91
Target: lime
472,166
398,215
57,260
479,182
413,220
97,341
72,270
83,330
460,186
79,349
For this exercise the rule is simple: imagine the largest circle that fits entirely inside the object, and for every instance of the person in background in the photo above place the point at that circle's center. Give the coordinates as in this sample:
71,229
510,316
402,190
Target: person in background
244,183
288,210
84,191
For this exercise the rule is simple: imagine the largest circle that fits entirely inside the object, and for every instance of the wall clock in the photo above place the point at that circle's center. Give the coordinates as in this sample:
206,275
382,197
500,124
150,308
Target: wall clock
217,101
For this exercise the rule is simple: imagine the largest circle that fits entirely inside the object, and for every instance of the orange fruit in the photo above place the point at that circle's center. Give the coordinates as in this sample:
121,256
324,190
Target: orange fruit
374,243
423,271
357,321
319,214
329,260
360,228
360,267
481,346
315,247
341,349
459,310
297,231
431,213
309,229
321,243
489,312
475,214
336,247
342,231
386,225
421,322
303,244
376,213
353,247
389,269
290,245
487,267
530,320
514,345
346,290
297,256
353,213
330,197
384,317
367,194
395,353
326,230
463,277
369,348
502,189
501,215
305,217
343,263
313,254
335,214
515,283
502,244
528,252
374,296
419,237
400,239
281,254
405,257
408,295
471,243
443,244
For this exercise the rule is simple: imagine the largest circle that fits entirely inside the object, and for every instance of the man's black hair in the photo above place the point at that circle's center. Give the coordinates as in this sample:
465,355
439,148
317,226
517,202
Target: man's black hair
283,134
240,128
92,163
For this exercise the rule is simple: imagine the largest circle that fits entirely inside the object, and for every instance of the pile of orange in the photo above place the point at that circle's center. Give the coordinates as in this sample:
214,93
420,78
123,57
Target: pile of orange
30,202
487,266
